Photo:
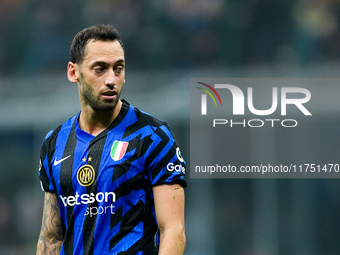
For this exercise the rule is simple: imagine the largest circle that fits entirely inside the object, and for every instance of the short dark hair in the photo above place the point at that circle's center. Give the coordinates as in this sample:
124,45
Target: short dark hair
98,32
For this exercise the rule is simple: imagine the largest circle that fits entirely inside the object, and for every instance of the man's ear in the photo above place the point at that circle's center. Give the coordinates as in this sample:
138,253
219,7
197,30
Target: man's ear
72,72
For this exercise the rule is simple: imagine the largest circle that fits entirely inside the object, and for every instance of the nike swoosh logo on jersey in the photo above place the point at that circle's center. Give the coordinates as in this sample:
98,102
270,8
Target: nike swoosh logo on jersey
57,162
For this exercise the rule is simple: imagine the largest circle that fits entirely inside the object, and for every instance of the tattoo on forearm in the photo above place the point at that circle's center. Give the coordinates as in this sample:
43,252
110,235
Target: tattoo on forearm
51,234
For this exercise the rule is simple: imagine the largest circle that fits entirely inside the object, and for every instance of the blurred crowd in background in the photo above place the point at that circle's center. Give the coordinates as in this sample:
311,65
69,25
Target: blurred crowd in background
172,33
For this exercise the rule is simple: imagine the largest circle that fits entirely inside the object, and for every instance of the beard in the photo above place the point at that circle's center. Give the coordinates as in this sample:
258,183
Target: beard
95,101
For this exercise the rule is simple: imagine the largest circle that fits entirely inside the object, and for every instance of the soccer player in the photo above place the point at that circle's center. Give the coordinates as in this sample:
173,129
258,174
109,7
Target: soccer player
113,175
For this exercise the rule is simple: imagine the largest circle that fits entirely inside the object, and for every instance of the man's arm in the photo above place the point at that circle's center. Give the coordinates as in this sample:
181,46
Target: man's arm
51,234
169,207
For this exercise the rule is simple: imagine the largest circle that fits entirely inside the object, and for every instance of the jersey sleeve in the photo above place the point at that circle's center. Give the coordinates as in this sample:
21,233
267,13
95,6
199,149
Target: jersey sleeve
45,177
165,162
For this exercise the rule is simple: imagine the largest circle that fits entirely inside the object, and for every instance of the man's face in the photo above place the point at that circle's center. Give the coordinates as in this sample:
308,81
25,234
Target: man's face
102,75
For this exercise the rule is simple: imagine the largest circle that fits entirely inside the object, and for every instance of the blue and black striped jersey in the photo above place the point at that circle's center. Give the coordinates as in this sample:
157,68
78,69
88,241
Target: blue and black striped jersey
104,183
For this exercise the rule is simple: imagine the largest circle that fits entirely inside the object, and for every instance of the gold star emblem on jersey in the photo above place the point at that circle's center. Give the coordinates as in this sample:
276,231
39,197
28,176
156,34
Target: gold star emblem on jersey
86,175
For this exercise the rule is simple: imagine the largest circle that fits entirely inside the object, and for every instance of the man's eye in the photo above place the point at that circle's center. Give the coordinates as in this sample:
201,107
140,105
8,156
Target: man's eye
99,69
119,69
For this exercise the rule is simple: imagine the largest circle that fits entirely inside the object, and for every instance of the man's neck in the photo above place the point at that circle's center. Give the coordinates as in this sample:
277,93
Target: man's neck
94,122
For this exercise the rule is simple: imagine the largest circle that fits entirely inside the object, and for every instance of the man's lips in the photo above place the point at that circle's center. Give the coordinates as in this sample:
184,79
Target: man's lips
111,94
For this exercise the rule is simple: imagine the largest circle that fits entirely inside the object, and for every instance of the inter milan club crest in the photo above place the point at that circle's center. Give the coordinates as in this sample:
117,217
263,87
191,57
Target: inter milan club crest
118,150
86,175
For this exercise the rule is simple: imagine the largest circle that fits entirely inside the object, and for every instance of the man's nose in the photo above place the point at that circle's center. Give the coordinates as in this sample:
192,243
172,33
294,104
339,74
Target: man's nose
111,78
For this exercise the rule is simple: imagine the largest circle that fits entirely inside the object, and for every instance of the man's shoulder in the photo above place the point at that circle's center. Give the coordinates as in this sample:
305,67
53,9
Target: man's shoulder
141,121
66,126
150,119
147,118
